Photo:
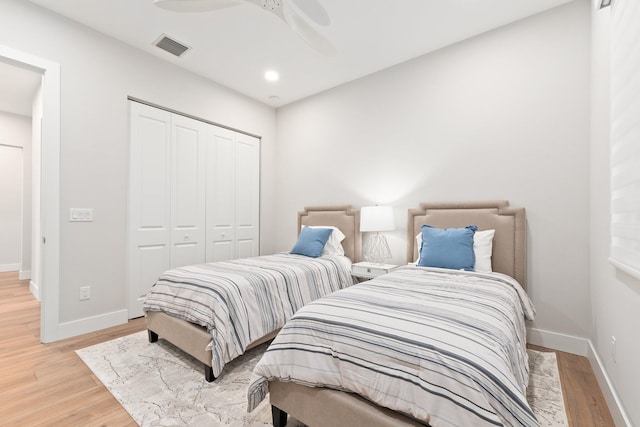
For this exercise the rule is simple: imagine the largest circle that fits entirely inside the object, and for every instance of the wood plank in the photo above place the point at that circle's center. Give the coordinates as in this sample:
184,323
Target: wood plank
583,399
48,384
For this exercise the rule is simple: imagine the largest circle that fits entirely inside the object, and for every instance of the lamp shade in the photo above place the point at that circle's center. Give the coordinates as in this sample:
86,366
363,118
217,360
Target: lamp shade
377,218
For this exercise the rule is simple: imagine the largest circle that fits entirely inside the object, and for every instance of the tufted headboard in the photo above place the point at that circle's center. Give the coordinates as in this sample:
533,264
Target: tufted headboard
509,243
346,218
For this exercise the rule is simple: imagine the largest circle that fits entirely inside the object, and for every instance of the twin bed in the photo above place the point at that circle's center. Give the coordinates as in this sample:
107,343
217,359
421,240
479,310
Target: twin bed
215,312
418,346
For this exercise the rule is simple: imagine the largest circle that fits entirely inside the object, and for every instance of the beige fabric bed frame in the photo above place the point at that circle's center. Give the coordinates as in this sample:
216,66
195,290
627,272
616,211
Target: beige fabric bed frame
509,243
326,407
193,339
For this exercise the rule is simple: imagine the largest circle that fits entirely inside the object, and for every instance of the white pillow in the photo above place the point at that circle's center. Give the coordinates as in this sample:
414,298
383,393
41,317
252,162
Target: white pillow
482,248
333,245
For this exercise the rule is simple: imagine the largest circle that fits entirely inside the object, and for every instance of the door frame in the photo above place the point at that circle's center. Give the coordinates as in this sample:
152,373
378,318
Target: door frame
49,240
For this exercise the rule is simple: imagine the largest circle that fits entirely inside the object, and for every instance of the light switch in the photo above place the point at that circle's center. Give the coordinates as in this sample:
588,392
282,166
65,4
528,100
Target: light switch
80,214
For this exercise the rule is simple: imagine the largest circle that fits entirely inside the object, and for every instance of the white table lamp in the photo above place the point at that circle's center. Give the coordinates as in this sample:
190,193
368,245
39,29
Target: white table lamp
376,219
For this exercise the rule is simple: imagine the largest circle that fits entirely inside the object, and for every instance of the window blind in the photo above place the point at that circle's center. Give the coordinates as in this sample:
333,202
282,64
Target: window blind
625,136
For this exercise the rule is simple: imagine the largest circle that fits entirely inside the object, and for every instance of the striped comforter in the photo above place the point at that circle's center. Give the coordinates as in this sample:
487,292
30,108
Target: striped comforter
446,347
243,300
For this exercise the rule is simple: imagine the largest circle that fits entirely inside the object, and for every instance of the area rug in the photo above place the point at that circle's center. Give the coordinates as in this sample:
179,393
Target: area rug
159,385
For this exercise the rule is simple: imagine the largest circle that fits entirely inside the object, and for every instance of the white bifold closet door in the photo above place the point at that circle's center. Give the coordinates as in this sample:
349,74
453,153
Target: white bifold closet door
233,196
247,176
149,200
193,196
188,190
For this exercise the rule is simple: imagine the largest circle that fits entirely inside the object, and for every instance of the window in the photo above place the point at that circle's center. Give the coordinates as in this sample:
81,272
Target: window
625,136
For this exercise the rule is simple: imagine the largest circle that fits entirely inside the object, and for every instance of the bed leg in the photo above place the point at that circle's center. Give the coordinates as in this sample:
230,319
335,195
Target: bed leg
278,416
153,337
208,374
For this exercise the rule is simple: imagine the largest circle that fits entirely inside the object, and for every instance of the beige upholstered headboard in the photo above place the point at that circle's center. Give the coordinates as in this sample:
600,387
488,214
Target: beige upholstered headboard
346,218
509,243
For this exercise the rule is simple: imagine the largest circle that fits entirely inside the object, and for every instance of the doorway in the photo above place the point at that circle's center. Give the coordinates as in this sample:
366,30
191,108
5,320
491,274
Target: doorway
46,239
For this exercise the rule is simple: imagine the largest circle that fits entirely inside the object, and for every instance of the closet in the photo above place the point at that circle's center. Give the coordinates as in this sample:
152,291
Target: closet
194,193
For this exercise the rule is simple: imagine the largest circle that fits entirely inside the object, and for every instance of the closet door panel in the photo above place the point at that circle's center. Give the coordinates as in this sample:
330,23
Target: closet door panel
149,203
221,196
187,191
247,164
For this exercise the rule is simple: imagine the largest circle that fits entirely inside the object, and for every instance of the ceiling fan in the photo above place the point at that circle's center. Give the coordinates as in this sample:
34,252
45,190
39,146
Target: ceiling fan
281,8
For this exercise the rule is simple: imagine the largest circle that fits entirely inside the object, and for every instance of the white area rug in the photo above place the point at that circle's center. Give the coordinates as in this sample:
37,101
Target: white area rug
159,385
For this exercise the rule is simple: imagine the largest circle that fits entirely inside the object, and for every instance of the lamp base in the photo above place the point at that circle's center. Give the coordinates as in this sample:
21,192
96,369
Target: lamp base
376,249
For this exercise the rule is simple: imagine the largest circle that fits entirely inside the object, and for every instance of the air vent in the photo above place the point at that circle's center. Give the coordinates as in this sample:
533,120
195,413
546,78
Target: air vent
170,45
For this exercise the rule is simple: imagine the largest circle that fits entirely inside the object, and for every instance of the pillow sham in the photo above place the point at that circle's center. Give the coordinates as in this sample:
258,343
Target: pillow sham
482,249
333,245
311,241
448,247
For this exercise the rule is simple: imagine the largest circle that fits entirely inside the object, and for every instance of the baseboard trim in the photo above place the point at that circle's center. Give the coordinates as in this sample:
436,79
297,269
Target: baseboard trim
92,324
24,275
34,289
558,341
583,347
9,267
619,415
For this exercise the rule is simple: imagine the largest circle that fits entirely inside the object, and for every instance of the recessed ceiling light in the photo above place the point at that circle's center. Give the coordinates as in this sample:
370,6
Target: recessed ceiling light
271,76
274,98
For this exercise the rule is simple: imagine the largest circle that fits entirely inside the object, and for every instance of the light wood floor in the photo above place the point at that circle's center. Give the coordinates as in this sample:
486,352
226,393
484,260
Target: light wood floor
48,384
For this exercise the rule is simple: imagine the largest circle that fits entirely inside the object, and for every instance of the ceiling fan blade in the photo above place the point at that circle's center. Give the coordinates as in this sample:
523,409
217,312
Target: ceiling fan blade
314,10
195,5
281,9
307,33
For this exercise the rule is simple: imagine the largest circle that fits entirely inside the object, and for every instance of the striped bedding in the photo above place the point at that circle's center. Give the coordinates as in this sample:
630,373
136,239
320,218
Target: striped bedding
243,300
446,347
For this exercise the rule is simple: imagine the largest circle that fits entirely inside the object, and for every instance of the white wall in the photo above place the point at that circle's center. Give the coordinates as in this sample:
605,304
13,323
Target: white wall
615,296
15,147
501,116
97,75
10,207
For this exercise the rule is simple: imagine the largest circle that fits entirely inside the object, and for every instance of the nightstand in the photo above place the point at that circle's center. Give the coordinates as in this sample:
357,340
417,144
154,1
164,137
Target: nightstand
369,270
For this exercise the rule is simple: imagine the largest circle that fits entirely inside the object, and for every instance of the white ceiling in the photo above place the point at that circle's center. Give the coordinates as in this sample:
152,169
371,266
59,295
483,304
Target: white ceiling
236,45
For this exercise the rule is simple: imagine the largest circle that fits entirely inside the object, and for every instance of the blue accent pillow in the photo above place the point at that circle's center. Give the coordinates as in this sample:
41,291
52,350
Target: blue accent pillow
311,241
448,247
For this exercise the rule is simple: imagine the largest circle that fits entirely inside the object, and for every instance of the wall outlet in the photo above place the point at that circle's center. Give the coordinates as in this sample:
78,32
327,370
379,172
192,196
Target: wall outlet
85,293
613,348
